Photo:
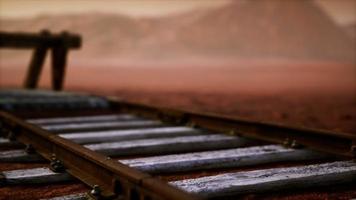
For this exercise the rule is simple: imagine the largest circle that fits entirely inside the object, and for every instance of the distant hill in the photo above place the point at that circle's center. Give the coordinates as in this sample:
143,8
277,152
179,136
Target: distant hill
350,29
292,30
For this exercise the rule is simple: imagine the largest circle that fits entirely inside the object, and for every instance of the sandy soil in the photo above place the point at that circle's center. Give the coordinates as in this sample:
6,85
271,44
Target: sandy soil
315,95
40,191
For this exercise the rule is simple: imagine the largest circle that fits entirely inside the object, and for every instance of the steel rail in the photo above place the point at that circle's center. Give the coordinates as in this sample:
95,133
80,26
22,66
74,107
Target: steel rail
116,180
343,144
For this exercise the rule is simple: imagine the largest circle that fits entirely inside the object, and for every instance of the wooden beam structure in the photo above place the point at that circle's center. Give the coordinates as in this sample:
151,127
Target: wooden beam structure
59,44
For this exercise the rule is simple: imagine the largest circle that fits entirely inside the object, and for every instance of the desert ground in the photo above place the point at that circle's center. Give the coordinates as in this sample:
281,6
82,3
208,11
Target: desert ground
314,95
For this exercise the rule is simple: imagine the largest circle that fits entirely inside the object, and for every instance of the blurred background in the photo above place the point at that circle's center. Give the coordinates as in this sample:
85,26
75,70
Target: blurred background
285,61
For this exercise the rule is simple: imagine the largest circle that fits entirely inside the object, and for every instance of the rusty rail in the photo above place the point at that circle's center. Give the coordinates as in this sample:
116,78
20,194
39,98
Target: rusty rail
114,179
117,180
41,43
343,144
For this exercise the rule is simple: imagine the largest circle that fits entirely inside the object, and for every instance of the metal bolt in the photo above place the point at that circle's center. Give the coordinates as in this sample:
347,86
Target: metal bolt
53,157
287,142
232,132
295,144
96,191
56,165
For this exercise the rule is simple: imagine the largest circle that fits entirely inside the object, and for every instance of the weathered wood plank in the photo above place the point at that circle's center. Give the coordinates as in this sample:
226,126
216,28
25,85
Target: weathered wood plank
120,135
143,146
271,179
33,93
79,196
33,176
6,143
13,99
209,159
169,145
52,102
81,119
93,126
19,156
228,158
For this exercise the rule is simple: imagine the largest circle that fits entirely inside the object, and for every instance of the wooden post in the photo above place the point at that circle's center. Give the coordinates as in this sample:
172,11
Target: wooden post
35,67
36,64
59,59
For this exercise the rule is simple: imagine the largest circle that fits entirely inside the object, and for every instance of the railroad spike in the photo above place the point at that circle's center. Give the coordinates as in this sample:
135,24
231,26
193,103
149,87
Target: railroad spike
287,142
56,165
232,132
295,145
95,193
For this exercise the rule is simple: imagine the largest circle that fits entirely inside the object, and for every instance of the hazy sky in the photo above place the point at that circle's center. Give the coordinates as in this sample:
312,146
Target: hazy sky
342,11
18,8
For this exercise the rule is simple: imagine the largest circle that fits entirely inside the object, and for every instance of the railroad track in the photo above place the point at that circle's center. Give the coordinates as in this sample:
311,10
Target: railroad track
121,150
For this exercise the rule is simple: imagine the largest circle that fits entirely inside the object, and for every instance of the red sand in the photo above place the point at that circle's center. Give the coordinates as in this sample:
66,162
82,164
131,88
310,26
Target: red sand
313,95
40,191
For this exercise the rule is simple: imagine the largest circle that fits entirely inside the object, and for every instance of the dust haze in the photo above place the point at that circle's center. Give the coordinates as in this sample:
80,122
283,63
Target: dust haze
283,61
